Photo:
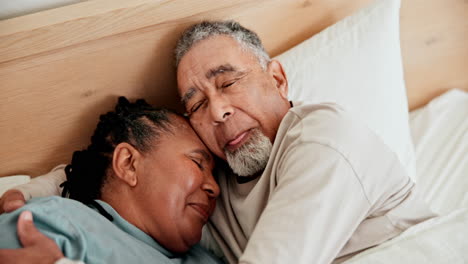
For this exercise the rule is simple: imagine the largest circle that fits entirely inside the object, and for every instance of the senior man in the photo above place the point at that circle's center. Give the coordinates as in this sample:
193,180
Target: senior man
309,183
306,183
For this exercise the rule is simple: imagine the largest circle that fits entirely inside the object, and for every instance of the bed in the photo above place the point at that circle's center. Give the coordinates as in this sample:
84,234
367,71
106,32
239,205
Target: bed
60,68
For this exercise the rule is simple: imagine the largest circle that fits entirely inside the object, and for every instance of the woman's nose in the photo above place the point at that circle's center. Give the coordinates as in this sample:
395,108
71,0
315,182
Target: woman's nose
211,187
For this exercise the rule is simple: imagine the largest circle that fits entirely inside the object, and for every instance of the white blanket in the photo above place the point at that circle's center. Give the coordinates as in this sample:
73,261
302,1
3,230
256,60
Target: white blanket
439,240
440,137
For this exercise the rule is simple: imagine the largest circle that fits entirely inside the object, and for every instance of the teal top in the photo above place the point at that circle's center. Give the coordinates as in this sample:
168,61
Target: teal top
84,234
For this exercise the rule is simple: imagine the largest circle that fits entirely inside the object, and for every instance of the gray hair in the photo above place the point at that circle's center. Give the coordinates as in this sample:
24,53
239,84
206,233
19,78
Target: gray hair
203,30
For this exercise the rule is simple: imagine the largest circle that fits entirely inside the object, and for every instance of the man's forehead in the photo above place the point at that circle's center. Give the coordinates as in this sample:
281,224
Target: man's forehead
220,69
210,73
211,51
216,43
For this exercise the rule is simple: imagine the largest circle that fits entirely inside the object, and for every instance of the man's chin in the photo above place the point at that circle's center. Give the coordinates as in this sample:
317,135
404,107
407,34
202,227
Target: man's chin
252,157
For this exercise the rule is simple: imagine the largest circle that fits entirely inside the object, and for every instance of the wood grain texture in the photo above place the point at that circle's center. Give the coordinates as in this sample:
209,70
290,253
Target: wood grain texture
61,68
434,42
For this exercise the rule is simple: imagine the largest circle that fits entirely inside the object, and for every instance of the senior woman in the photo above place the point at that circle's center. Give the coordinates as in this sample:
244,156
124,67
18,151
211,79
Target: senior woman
143,188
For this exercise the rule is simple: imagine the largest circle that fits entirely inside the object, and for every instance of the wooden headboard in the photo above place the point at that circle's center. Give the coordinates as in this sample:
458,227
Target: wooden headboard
61,68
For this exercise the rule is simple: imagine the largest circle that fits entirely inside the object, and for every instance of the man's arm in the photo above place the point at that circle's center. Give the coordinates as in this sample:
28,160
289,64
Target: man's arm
316,206
45,185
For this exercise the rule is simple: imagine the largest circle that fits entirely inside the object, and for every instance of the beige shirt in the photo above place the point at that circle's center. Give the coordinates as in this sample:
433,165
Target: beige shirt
331,188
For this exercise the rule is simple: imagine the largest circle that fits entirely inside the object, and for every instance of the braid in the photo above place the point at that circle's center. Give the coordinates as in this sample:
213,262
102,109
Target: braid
135,123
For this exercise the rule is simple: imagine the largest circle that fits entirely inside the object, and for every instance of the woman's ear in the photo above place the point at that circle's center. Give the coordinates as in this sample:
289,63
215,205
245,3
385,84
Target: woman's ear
124,163
276,70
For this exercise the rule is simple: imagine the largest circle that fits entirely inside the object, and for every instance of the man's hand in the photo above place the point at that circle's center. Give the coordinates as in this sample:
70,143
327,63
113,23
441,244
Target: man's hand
37,247
11,200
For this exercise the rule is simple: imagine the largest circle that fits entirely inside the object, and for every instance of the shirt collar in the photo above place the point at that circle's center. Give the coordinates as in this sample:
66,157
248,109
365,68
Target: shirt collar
134,231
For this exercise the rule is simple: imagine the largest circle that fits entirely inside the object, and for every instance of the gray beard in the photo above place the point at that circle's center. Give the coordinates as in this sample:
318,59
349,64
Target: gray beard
251,157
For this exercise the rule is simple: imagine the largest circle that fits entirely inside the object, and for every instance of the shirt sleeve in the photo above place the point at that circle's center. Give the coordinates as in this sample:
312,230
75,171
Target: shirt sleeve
68,261
316,205
44,185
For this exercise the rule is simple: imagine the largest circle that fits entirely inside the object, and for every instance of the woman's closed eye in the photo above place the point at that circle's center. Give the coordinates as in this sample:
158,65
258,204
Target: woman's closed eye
199,163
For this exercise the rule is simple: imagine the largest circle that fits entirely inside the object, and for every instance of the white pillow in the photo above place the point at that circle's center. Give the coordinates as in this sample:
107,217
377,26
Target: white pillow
356,63
10,9
8,182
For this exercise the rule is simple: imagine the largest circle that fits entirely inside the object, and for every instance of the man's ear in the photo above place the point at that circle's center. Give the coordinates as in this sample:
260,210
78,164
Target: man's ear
276,70
124,163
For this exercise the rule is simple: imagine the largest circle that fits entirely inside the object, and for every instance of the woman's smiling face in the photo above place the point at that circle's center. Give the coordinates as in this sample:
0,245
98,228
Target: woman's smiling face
177,187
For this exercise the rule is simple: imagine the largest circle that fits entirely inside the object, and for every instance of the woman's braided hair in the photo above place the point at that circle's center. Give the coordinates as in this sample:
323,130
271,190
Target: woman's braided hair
137,124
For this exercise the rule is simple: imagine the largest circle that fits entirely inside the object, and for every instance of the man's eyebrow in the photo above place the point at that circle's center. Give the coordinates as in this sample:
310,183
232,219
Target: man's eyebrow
220,69
210,74
189,94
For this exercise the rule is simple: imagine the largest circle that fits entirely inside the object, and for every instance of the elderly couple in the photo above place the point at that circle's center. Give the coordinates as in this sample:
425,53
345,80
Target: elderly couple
294,182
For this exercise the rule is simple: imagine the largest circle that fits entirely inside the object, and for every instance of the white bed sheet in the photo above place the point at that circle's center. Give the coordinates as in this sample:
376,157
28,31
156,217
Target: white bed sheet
440,135
436,241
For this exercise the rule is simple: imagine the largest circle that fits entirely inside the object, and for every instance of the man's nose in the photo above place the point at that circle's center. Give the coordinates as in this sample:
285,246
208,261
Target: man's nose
220,108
